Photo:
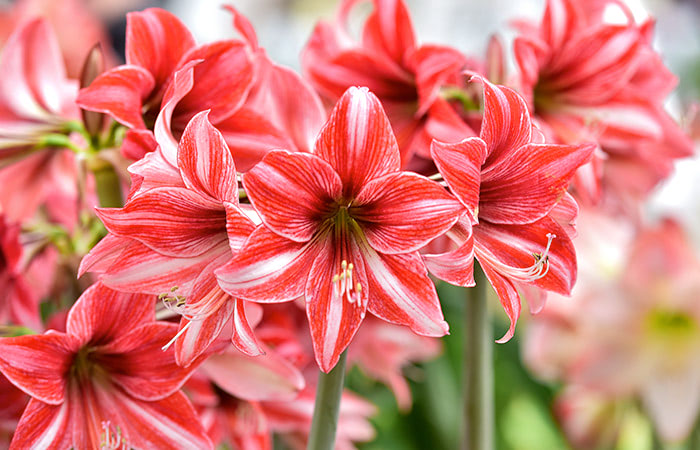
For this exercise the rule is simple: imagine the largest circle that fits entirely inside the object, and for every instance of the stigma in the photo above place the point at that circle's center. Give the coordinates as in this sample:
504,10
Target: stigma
344,285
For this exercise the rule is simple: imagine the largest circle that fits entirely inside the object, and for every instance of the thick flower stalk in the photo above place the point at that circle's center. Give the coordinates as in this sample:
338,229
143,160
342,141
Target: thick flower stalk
105,375
341,227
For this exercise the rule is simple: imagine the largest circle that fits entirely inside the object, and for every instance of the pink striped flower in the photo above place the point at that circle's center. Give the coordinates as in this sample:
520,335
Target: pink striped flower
590,79
514,188
341,227
108,367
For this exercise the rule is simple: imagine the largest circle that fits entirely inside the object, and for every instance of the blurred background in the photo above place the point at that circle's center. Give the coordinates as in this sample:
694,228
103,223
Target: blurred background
538,406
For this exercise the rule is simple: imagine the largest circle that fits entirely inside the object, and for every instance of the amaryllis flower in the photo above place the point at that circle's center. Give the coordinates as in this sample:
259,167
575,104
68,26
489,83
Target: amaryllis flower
342,227
587,78
253,101
514,188
406,77
37,101
172,234
108,367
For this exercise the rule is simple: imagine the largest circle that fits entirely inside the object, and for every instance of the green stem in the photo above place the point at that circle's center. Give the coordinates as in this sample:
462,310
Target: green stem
109,190
327,407
478,368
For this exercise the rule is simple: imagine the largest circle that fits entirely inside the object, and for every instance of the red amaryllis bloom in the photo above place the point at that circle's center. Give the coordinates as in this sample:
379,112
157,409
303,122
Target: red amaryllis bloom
342,227
36,100
172,234
588,79
515,189
108,367
405,76
253,101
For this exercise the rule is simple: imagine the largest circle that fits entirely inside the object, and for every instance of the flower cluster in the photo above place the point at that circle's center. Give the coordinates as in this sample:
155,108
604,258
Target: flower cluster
273,221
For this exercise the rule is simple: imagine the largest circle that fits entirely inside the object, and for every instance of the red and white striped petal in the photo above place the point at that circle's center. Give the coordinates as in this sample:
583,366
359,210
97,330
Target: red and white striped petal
292,192
401,212
389,31
265,377
205,162
157,41
172,221
119,92
509,297
141,269
526,185
506,124
336,299
460,165
37,364
102,314
198,335
357,141
401,292
243,337
269,268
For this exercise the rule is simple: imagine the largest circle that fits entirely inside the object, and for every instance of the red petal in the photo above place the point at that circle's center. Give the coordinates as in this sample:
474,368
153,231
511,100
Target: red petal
101,314
141,269
136,362
389,31
138,143
515,245
205,161
156,40
401,292
506,124
243,337
200,334
268,269
279,95
460,165
221,81
402,212
266,377
173,221
293,192
358,141
525,185
455,266
38,364
509,297
119,92
335,308
434,66
43,426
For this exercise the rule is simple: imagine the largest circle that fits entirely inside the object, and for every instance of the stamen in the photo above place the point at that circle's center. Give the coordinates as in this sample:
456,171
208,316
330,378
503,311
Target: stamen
179,333
343,284
199,310
527,274
114,442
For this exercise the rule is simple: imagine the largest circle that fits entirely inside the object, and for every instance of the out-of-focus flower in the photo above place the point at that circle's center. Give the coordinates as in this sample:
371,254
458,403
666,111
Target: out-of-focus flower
13,403
77,28
514,187
108,368
342,227
406,77
640,336
588,79
382,350
181,223
37,101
